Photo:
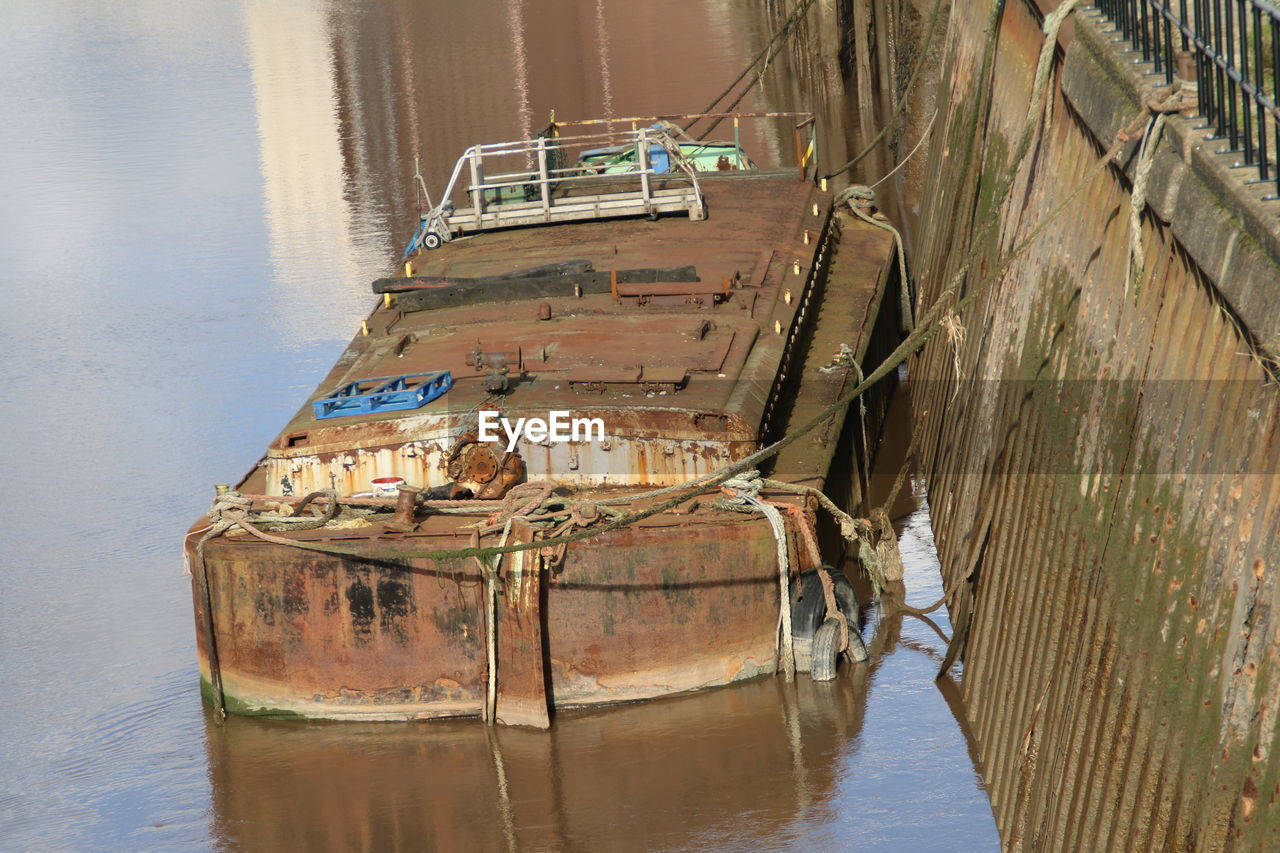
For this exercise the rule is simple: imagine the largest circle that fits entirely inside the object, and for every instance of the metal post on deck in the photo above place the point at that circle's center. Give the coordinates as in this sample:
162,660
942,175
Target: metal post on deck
802,158
799,154
477,191
737,144
813,145
643,146
543,184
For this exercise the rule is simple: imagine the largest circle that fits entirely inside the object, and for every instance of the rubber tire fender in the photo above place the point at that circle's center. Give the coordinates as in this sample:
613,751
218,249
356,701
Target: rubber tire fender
826,650
810,610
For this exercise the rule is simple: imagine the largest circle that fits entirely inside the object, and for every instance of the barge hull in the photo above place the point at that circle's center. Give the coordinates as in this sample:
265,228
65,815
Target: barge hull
633,614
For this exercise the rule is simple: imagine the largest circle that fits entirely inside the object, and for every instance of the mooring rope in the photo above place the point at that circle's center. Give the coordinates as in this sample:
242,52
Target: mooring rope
745,488
860,199
1174,102
919,142
1138,201
785,30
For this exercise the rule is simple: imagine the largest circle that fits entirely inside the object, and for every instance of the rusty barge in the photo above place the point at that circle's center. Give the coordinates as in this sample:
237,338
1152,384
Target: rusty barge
689,309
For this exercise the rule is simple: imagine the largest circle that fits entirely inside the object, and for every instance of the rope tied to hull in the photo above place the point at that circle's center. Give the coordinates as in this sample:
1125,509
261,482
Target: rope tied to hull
859,533
743,493
744,489
232,509
861,200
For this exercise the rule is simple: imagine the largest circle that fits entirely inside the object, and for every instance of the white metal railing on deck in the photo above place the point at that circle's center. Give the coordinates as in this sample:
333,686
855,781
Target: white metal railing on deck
593,174
552,191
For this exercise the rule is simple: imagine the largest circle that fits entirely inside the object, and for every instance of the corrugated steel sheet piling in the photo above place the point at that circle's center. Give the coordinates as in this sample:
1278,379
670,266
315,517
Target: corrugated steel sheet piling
1103,471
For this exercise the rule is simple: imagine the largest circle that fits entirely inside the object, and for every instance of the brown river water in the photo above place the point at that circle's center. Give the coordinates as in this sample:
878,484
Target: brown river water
195,197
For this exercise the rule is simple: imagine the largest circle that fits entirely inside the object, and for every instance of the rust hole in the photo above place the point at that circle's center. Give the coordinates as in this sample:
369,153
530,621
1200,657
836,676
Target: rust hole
296,440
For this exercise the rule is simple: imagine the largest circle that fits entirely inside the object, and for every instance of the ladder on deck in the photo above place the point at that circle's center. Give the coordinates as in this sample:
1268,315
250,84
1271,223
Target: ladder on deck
554,192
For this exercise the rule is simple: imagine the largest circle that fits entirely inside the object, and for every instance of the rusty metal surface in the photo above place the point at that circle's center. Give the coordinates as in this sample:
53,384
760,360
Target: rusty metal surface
1102,464
654,366
665,607
523,695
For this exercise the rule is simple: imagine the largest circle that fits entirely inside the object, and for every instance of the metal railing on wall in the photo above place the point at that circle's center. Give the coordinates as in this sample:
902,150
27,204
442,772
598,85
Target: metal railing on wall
1231,48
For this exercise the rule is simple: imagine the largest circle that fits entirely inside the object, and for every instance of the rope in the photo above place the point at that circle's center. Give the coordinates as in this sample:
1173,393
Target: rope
860,198
955,331
901,480
856,531
898,483
928,129
777,34
745,488
1138,201
491,642
849,526
1052,24
1176,100
887,553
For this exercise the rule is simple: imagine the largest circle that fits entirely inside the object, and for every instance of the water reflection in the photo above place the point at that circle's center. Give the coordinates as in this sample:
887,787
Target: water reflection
348,93
641,777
